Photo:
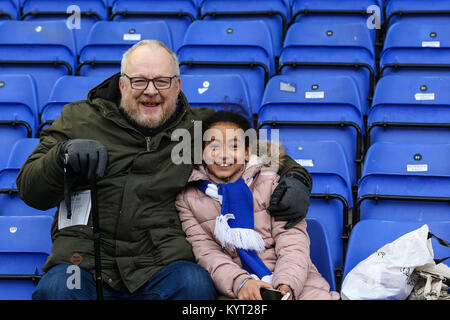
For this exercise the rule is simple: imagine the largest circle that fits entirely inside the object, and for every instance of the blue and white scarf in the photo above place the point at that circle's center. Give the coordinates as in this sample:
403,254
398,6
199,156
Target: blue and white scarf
235,226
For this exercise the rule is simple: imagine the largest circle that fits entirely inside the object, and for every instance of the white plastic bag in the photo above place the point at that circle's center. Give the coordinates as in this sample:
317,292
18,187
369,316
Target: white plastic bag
386,274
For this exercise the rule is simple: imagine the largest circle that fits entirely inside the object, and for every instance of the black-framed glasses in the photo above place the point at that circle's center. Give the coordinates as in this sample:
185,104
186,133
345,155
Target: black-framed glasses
141,83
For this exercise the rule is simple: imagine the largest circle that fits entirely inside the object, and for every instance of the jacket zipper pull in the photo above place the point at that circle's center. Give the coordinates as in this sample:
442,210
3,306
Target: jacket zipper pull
148,142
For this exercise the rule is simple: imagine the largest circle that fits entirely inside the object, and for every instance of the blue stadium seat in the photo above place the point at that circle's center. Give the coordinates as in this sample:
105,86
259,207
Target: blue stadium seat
320,250
410,109
178,14
331,195
79,15
400,10
405,182
67,89
20,152
101,56
221,92
276,13
18,110
39,8
6,146
25,244
9,10
329,48
10,202
313,108
43,49
344,11
370,235
416,48
230,47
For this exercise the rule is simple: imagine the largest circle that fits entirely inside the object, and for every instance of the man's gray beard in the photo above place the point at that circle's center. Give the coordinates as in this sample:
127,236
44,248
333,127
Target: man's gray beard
134,122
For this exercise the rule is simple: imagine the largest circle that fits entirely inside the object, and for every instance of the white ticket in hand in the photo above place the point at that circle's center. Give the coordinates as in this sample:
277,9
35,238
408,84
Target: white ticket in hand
81,208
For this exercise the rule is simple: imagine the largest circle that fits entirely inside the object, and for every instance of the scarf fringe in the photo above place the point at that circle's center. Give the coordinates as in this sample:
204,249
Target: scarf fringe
237,238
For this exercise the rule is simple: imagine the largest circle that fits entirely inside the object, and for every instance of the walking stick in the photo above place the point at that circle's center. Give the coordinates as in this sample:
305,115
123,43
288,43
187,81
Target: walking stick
95,225
96,238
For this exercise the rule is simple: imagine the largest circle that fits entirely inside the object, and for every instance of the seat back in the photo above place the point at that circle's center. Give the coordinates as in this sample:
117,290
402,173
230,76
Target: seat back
320,250
38,8
410,109
326,161
405,182
329,48
25,244
101,56
10,202
230,47
275,13
79,16
43,49
178,14
346,11
67,89
415,10
416,49
18,110
331,195
221,92
9,10
20,152
370,235
314,109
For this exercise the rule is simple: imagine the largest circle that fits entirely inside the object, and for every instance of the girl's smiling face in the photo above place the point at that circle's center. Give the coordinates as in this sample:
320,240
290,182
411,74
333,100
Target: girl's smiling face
225,152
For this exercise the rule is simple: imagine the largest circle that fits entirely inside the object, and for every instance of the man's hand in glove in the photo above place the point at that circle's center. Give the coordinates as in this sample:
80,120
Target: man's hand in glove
86,158
290,199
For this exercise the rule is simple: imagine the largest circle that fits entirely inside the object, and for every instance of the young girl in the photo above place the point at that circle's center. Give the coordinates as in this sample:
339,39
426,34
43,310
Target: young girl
224,215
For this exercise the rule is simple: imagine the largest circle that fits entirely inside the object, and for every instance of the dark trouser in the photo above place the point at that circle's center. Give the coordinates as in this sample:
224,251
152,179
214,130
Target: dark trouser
180,280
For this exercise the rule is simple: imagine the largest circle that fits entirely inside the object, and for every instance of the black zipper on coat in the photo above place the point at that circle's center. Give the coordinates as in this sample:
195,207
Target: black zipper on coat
148,139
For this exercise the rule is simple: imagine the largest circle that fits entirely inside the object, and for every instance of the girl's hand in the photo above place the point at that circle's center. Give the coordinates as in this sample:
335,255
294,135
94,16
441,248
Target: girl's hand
285,289
250,289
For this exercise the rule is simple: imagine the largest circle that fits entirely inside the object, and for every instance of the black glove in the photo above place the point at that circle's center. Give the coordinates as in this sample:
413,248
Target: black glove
86,158
290,199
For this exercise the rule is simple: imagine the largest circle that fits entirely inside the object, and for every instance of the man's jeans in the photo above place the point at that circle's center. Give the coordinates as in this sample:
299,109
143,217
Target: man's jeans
180,280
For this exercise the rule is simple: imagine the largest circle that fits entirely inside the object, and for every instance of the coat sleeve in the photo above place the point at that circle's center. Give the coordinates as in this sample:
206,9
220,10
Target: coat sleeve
41,178
293,255
226,274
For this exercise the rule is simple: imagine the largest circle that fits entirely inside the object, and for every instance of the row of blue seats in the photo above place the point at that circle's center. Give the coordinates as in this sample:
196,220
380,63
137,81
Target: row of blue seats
77,37
295,145
179,14
107,9
411,186
410,170
279,14
229,47
288,9
26,244
316,107
335,159
399,182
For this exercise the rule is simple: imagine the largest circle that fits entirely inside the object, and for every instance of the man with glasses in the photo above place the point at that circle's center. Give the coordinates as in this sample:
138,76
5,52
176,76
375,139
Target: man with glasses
121,137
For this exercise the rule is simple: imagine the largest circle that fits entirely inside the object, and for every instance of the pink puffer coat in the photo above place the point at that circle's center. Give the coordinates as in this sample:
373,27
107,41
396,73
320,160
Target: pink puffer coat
287,251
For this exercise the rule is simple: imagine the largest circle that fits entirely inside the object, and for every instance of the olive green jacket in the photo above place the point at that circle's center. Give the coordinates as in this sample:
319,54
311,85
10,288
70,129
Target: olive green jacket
140,228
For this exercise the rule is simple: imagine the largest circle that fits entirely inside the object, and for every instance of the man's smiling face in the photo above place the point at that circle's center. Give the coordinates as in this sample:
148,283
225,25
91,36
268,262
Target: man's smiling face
149,108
